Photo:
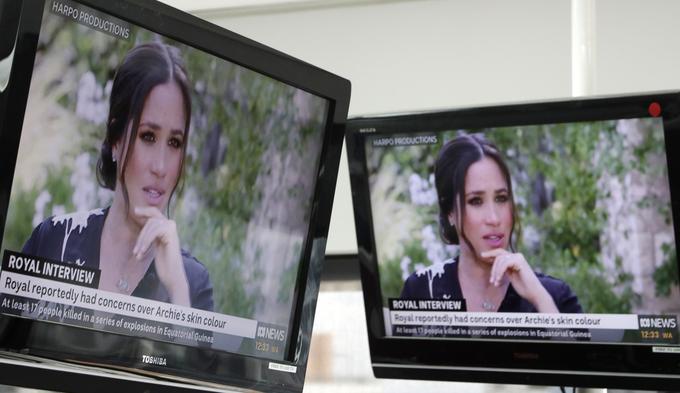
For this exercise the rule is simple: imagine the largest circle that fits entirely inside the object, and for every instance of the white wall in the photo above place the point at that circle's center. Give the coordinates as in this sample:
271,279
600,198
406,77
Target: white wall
638,46
403,55
415,55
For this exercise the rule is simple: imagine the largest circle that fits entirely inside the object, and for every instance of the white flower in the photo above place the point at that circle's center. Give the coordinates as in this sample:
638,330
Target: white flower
531,236
191,203
104,196
427,233
435,255
40,202
84,189
452,250
58,210
422,191
405,263
434,248
91,99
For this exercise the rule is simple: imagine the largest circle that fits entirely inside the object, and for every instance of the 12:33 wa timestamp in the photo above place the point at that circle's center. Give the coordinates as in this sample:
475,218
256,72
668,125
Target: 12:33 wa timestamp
263,346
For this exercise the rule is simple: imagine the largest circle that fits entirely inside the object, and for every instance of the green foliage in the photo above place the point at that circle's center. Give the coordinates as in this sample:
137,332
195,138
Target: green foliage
598,295
571,158
19,218
666,275
389,174
556,172
391,280
288,281
245,129
19,226
217,254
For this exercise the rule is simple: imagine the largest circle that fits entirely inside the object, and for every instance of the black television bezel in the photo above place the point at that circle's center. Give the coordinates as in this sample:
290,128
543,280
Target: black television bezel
204,368
511,361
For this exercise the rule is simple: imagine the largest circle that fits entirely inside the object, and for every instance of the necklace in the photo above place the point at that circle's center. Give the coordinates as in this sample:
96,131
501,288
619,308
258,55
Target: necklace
492,303
488,305
123,284
125,271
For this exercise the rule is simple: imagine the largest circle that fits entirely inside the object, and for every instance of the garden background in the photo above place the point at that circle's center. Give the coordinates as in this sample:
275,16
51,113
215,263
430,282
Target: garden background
593,203
244,202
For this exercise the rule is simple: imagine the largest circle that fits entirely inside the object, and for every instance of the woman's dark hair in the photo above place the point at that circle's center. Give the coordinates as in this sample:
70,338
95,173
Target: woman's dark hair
453,162
143,68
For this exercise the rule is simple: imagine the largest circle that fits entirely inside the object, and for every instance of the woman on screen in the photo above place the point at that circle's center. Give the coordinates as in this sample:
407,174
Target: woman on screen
133,242
477,212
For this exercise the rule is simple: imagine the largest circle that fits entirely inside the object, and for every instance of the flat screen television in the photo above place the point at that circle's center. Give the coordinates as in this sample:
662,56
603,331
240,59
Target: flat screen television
531,243
165,196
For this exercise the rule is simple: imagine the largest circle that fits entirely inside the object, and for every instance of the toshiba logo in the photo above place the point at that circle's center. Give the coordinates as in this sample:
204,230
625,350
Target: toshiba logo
155,360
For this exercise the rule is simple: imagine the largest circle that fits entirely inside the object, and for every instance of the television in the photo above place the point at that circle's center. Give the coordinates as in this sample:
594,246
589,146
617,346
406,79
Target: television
530,243
165,196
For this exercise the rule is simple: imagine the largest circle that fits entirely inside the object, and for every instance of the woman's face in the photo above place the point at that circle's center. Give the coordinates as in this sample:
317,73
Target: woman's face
488,209
154,167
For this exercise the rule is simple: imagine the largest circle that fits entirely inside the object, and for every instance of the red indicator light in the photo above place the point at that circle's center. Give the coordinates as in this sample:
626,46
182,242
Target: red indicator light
654,109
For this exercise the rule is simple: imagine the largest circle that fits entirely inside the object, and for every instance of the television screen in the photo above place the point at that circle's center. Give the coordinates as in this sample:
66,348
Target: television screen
166,192
530,243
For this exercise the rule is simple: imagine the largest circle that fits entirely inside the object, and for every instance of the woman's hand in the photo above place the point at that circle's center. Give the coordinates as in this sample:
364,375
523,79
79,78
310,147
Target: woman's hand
161,233
521,276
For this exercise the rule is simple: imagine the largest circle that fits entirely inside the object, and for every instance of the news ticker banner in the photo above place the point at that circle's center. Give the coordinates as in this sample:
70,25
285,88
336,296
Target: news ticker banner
43,289
447,318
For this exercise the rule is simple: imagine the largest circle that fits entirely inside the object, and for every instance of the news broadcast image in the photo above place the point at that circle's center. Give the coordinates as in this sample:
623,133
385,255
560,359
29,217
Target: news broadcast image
592,224
230,195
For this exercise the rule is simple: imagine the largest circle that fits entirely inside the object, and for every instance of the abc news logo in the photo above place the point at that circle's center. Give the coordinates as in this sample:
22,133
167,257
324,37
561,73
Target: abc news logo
271,333
655,322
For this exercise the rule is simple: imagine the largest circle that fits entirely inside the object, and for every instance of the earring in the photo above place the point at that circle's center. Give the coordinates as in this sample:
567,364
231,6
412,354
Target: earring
113,158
